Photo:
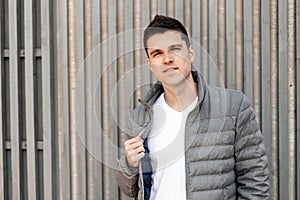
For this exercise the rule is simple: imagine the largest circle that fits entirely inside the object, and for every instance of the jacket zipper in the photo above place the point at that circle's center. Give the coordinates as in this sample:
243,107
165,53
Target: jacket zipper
185,163
187,177
150,109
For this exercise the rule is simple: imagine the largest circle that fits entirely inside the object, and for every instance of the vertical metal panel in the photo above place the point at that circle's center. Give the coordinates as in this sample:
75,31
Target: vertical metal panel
256,59
46,95
230,45
266,82
108,56
92,176
29,102
291,71
2,144
82,67
5,23
78,148
105,94
145,71
129,76
121,80
63,138
137,48
153,12
21,93
283,103
188,15
111,134
265,66
76,54
146,17
239,45
38,97
129,47
274,102
248,50
178,10
213,69
95,176
162,7
154,8
221,41
196,31
205,36
14,94
171,8
75,185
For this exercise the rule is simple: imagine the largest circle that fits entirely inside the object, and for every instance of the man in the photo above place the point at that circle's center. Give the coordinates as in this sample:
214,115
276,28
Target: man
190,140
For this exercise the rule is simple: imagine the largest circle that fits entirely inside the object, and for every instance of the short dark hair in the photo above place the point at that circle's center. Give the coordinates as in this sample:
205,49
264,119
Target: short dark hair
161,24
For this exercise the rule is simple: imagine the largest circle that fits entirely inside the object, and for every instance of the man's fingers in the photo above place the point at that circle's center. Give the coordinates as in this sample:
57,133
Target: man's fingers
136,158
135,155
135,151
132,140
134,146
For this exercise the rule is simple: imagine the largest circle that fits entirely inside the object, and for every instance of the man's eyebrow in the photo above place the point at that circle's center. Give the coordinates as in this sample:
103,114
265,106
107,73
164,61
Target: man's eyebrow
155,51
176,45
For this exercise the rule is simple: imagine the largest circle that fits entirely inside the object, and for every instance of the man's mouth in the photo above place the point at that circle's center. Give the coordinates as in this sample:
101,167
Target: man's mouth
170,69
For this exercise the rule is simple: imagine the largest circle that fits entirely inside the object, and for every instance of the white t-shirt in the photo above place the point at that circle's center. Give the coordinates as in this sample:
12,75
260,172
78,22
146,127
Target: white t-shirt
166,146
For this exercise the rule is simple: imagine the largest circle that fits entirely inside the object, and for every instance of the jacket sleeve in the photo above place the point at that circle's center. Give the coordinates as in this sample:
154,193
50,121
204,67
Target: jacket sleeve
251,161
127,178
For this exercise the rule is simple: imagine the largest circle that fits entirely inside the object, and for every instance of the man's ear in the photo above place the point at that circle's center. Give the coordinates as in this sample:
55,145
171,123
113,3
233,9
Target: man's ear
192,53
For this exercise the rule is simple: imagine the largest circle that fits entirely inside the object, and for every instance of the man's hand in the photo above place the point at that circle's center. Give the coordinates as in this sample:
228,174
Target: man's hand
134,150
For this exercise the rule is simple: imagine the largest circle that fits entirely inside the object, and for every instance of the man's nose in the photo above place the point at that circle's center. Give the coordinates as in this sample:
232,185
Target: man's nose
168,58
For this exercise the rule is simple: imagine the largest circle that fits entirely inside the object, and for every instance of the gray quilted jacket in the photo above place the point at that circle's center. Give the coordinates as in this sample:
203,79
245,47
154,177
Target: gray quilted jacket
225,155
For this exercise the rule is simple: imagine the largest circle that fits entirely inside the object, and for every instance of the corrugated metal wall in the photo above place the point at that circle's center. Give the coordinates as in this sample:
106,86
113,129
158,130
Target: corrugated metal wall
71,70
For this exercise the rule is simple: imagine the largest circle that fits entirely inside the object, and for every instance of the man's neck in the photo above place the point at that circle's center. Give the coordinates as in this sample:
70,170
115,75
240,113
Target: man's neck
180,97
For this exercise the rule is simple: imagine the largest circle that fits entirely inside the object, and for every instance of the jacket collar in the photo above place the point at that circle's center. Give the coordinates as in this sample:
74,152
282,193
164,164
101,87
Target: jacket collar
157,89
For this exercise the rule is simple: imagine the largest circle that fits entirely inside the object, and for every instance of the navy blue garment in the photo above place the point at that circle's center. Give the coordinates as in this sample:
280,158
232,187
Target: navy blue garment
147,171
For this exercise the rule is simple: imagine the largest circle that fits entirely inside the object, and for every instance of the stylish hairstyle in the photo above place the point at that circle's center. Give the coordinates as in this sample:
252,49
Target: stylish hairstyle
161,24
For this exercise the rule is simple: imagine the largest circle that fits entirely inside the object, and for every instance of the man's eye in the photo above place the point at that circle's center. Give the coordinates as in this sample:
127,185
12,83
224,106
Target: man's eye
156,54
176,49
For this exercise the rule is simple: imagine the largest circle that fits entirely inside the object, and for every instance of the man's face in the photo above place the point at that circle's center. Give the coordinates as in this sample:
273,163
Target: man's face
169,57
